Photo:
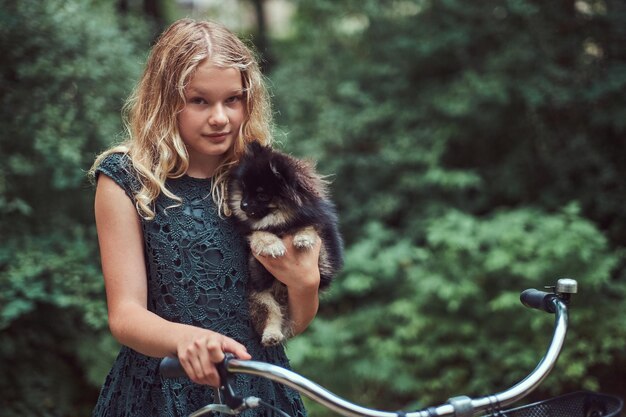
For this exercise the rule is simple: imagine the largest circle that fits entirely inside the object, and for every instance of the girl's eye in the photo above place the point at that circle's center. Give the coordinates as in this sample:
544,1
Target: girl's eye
233,99
197,100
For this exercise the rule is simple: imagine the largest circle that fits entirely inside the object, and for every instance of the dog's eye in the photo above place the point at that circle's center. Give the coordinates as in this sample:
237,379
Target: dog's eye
261,195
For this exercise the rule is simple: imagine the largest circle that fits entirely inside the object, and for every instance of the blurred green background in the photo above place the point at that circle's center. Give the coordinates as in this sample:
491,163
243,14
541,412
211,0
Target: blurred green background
476,148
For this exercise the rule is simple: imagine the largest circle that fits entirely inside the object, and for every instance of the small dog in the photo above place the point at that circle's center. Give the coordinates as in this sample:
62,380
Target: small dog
272,194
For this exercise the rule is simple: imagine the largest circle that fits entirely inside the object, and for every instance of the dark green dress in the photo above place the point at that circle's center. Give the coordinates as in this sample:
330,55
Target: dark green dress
197,275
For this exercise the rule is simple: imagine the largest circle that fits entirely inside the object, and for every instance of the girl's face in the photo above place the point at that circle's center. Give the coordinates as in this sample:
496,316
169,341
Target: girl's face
210,121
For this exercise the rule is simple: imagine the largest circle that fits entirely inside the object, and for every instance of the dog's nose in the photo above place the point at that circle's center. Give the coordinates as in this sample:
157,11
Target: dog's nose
248,209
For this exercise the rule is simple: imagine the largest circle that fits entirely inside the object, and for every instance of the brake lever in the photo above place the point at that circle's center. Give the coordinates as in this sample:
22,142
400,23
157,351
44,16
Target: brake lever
233,401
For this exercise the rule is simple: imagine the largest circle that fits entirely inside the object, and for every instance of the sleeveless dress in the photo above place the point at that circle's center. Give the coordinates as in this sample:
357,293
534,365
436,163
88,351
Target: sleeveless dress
197,275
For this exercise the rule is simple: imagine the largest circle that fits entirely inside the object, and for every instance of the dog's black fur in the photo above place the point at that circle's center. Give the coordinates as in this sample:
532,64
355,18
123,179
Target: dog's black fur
272,194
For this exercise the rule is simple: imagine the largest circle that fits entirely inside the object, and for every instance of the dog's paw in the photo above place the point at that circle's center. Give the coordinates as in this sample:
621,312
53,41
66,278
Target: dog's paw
305,238
272,337
267,244
274,250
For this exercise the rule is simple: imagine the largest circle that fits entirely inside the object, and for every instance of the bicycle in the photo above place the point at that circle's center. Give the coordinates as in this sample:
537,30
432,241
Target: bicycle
577,404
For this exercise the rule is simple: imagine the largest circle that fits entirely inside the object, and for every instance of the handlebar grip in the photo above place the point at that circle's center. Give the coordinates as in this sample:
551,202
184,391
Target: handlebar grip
171,368
540,300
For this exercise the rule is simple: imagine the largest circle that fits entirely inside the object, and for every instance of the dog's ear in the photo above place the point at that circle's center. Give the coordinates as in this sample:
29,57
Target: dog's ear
295,176
254,148
279,168
276,171
308,181
284,170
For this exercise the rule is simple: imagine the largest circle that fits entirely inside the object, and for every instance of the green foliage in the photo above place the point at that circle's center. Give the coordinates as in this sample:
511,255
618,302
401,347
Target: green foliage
65,71
475,151
53,363
408,323
485,105
58,270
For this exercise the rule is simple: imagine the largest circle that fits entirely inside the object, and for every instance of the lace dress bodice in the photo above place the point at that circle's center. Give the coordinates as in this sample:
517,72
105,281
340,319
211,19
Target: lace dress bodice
197,274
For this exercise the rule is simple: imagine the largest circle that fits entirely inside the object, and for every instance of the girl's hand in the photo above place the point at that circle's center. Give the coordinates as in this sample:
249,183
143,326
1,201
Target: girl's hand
297,269
202,349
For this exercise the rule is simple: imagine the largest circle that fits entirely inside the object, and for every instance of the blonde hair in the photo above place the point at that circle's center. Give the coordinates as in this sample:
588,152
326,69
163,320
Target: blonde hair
151,112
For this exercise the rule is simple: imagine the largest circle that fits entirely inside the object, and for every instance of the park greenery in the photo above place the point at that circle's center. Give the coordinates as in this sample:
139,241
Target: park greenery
474,149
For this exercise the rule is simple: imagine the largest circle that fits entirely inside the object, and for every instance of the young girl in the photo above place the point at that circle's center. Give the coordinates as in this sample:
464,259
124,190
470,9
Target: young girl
174,266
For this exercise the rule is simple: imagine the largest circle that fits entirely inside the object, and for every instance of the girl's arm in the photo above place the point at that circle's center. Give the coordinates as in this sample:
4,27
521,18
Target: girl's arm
299,271
131,323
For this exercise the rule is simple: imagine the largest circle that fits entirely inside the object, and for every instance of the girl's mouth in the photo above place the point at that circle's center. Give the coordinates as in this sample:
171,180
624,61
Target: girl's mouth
217,137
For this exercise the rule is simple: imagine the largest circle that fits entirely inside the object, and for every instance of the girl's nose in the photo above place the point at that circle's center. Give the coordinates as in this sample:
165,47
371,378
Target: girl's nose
218,116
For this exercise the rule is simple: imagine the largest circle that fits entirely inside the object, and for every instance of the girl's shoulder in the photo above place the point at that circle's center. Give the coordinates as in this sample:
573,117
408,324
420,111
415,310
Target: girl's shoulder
119,167
115,162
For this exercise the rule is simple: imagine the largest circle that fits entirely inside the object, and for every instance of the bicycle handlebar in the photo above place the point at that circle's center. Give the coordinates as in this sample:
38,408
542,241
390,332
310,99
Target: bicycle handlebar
540,300
462,406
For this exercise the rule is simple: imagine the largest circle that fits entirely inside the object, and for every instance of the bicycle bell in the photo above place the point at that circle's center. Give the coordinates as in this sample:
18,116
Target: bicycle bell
566,286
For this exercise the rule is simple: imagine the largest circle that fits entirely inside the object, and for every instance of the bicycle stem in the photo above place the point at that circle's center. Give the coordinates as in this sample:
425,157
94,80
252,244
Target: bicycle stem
458,406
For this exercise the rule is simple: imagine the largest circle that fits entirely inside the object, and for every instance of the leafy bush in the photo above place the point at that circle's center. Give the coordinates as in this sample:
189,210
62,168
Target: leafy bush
409,326
474,150
65,71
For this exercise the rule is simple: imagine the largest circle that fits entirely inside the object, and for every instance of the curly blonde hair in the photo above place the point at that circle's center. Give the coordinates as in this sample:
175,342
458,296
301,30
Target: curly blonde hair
150,114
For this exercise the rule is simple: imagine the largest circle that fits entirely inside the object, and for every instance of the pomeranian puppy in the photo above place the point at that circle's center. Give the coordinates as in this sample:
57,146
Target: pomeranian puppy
272,194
